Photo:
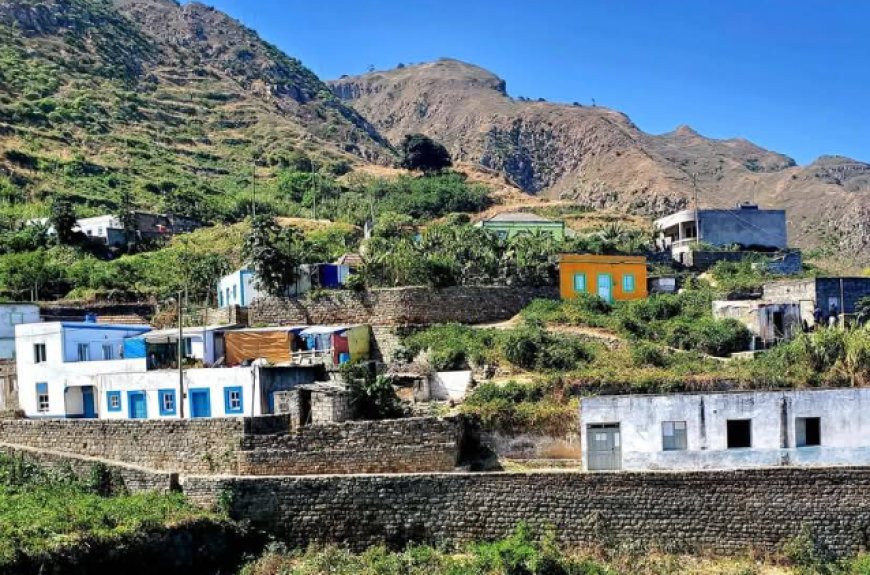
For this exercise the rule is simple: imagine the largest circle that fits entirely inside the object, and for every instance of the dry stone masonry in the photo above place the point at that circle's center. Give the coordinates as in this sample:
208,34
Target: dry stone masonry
400,306
724,512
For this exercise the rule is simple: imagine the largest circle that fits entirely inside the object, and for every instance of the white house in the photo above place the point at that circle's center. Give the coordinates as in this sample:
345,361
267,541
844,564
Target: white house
160,347
12,314
56,361
817,427
238,288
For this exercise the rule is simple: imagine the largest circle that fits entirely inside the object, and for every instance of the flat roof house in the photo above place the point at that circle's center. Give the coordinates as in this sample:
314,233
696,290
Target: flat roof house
769,322
746,226
12,314
692,431
612,278
55,362
833,295
510,224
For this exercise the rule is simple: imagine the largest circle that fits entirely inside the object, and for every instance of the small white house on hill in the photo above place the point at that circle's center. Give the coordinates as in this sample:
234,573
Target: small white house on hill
691,431
56,361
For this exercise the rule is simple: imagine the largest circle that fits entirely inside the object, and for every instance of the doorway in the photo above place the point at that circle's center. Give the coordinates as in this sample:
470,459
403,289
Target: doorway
603,446
200,403
89,410
605,287
138,406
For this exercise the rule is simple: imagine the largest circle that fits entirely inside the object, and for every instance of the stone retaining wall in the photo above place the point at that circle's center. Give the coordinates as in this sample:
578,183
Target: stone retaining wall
411,445
191,446
135,478
722,512
400,306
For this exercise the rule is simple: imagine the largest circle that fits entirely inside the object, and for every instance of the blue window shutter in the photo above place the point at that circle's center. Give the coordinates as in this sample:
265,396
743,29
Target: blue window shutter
580,283
628,283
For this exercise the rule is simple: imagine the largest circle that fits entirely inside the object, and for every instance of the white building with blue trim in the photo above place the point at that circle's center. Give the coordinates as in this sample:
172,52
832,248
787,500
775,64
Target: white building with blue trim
56,362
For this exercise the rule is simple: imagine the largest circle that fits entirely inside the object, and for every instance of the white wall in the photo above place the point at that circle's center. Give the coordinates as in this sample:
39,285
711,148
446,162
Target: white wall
10,316
243,281
844,413
56,372
215,380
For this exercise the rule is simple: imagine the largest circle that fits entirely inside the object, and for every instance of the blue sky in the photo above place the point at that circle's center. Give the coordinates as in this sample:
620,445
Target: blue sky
790,75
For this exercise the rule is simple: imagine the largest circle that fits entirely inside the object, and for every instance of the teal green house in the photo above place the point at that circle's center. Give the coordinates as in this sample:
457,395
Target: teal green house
510,224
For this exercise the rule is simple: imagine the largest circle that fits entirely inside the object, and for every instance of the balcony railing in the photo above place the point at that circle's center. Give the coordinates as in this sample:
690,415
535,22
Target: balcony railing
312,357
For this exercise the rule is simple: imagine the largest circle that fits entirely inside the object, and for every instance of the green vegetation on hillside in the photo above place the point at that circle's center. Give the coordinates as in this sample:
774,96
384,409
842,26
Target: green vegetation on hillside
523,553
43,512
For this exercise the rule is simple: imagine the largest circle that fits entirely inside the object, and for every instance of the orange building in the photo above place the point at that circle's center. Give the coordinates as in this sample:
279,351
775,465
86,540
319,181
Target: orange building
613,278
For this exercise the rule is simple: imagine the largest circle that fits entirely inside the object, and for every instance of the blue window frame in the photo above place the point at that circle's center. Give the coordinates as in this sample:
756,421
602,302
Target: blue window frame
166,397
233,400
579,283
113,401
200,402
137,405
42,403
628,283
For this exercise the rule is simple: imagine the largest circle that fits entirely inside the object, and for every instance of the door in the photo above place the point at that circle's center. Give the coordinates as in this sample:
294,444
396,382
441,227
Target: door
605,287
138,407
603,447
200,403
88,407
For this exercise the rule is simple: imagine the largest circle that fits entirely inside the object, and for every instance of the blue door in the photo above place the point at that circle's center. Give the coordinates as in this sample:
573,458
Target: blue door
605,287
138,407
200,403
88,407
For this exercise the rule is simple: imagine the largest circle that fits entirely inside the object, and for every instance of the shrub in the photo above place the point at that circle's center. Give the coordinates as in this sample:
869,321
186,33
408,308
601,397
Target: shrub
647,354
533,348
708,335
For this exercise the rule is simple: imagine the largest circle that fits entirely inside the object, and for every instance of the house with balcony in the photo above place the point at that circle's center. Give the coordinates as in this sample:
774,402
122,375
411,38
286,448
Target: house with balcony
733,430
298,345
56,362
746,227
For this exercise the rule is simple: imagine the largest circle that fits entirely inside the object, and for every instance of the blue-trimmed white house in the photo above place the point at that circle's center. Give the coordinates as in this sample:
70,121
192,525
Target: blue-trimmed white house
56,362
237,288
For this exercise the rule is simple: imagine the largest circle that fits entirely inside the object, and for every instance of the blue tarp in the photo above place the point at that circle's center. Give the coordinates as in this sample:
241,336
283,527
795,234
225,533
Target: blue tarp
134,348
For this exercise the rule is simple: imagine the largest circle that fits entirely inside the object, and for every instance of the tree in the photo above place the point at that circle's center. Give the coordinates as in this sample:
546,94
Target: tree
275,253
420,152
63,219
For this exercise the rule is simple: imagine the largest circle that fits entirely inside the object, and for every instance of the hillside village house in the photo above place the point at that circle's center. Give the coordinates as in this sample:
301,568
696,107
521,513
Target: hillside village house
726,430
746,226
109,230
160,347
510,224
769,322
612,278
55,362
240,287
12,314
833,296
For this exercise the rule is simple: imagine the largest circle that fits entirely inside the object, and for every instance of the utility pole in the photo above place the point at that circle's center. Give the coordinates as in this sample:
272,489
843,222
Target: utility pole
697,213
254,188
180,358
314,186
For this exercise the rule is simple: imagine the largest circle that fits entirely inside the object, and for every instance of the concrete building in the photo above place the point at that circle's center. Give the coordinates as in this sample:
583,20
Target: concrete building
240,287
510,224
12,314
818,427
204,345
612,278
109,230
833,296
217,392
769,322
746,226
56,361
299,345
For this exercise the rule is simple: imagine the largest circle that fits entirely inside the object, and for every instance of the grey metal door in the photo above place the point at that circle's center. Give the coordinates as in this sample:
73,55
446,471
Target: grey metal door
603,447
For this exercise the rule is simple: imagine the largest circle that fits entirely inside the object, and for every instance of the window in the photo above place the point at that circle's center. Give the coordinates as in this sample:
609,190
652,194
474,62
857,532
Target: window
502,234
84,352
220,298
38,353
167,401
579,283
739,433
233,399
99,231
228,296
42,397
108,352
188,346
234,293
674,436
628,283
808,431
113,400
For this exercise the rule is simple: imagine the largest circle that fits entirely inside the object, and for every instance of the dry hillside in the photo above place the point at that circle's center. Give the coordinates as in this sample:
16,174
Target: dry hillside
599,158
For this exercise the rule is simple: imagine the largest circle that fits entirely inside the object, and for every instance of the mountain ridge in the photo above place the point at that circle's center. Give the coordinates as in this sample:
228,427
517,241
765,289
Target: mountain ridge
600,158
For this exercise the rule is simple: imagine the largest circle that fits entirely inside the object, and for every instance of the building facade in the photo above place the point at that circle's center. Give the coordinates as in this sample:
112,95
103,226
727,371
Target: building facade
612,278
769,322
746,226
833,296
56,361
726,430
508,225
